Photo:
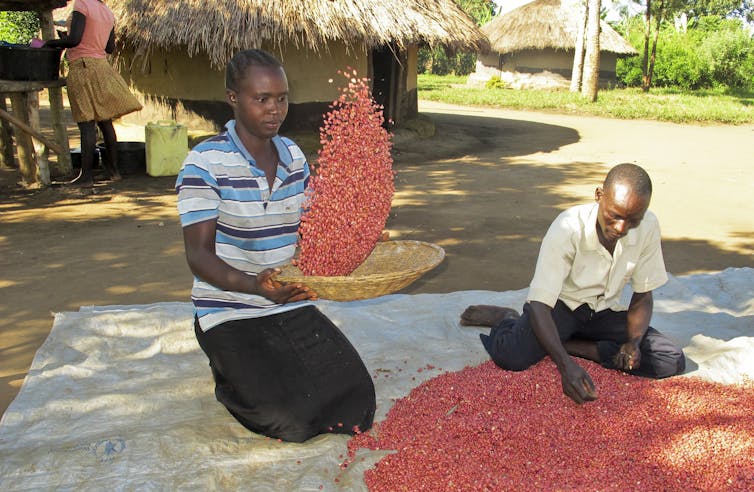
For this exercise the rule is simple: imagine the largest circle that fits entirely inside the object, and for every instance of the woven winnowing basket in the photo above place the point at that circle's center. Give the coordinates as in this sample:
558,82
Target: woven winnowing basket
391,266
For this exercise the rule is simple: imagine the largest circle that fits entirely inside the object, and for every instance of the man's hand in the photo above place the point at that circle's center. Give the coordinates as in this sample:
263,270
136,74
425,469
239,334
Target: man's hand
577,385
281,293
628,357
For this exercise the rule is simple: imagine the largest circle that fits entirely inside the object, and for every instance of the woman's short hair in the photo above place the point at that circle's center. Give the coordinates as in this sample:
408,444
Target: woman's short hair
244,59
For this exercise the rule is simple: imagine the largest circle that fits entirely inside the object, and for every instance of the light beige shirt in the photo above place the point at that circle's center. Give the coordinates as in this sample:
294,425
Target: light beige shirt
574,267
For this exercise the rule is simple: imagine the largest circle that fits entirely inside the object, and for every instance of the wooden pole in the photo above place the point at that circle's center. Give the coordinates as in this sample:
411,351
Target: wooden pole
27,166
7,160
55,95
28,130
41,151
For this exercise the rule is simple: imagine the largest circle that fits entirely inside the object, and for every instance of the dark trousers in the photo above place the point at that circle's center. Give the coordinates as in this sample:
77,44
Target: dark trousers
513,345
289,376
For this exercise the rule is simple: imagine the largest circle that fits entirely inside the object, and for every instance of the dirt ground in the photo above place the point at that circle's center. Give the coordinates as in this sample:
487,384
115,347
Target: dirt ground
485,187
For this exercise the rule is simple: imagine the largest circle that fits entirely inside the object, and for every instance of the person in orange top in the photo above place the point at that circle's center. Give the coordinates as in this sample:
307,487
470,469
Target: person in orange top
96,91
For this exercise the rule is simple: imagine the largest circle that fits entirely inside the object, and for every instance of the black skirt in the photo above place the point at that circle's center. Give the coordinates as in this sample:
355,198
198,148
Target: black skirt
290,376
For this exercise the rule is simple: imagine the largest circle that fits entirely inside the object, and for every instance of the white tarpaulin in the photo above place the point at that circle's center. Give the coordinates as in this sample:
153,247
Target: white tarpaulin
121,397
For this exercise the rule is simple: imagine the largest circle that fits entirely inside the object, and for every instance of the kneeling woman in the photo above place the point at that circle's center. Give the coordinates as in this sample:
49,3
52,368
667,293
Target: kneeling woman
281,367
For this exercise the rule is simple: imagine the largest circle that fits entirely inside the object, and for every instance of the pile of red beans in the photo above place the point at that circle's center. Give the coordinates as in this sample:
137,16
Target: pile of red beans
484,428
351,189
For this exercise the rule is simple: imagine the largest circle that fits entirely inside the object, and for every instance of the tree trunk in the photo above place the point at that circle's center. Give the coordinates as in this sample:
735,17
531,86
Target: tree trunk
592,56
578,55
645,77
652,56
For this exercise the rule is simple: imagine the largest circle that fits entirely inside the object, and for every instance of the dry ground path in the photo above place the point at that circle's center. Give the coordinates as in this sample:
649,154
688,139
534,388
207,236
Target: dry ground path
485,187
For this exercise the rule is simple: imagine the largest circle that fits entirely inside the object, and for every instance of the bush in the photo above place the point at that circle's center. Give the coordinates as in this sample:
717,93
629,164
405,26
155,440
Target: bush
714,52
437,62
729,55
18,27
495,82
679,63
628,71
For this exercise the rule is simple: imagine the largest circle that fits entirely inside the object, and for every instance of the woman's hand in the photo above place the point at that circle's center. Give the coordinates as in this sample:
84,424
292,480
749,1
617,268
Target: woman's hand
280,293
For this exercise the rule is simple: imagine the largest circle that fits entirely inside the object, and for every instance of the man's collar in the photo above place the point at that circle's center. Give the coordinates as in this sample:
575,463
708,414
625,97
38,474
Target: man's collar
592,239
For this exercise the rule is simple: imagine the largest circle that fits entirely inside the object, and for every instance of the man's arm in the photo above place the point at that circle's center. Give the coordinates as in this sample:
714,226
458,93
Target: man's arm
577,384
637,322
199,241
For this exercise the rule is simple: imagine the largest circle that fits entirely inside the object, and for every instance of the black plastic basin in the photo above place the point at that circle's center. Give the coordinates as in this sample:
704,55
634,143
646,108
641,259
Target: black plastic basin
19,62
132,157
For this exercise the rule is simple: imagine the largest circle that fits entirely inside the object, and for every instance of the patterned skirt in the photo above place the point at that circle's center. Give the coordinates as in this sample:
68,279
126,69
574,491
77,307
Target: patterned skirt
97,92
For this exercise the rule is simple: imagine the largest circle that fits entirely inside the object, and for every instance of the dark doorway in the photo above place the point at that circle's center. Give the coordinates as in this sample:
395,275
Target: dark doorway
384,83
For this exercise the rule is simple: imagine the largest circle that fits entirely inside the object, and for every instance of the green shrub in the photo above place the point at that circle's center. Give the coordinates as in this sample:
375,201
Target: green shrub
495,82
713,52
679,63
628,71
729,55
437,62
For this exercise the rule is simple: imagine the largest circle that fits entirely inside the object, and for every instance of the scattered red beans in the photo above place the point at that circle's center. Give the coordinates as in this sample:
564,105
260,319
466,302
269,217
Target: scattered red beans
351,189
483,428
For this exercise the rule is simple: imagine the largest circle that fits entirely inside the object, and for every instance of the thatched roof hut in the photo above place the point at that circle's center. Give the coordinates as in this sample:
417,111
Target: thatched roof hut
541,36
220,28
173,52
546,24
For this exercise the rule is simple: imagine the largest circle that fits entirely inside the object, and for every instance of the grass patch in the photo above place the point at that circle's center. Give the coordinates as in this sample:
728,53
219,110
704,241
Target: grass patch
664,104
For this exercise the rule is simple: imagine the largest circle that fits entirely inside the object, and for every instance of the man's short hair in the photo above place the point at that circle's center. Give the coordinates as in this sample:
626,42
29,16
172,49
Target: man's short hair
244,59
632,175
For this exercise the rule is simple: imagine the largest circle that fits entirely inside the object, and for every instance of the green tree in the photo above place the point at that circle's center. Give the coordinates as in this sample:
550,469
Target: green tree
728,53
438,61
712,52
18,27
742,9
658,12
479,10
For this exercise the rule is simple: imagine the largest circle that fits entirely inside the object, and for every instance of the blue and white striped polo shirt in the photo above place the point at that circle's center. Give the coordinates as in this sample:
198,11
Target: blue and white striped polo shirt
256,227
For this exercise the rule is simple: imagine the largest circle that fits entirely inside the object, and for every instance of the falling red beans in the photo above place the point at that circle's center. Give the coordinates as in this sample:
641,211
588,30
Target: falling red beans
351,189
484,428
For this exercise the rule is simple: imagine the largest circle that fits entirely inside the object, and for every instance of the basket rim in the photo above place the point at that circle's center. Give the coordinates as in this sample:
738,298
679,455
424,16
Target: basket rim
298,276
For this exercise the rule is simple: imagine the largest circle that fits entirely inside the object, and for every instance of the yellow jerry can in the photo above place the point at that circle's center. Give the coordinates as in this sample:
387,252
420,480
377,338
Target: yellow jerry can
166,147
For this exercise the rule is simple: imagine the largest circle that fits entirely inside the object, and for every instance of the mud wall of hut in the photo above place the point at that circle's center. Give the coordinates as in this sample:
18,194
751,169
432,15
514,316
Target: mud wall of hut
173,86
535,61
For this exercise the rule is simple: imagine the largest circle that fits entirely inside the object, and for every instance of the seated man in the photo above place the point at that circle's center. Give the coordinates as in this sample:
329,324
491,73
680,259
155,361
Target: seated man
587,256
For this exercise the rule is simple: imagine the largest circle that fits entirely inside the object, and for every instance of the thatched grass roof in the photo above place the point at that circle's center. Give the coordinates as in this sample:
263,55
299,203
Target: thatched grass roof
546,24
220,28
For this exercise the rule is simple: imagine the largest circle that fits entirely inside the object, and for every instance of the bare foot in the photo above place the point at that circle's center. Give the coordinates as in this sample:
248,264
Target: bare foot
483,315
113,172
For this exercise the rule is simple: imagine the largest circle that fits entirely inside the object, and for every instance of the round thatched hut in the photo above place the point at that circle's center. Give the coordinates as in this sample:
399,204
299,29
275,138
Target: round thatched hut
173,52
534,45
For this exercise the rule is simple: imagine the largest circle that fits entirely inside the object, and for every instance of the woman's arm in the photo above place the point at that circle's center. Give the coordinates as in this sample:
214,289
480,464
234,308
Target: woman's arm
110,43
75,33
199,241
